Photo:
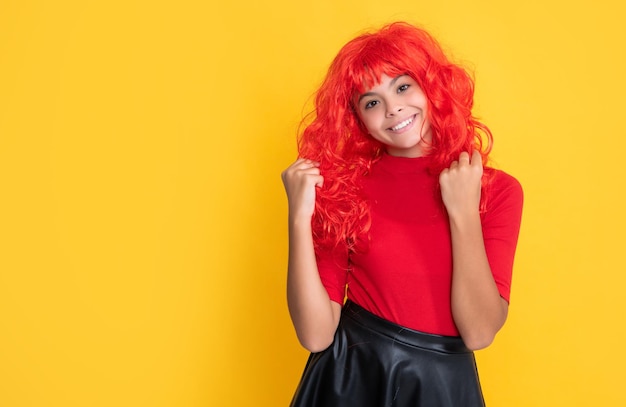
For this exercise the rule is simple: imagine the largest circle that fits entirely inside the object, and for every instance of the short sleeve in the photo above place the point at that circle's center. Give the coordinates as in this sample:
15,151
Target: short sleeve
501,224
333,269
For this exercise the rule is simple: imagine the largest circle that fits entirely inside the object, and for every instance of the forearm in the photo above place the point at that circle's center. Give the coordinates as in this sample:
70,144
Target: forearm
314,316
477,307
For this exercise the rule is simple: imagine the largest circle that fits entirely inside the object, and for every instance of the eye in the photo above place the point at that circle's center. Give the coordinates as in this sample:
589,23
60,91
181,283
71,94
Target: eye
403,87
370,104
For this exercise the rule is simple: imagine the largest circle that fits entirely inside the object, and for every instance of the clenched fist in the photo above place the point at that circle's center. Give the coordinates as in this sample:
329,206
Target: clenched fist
460,185
300,180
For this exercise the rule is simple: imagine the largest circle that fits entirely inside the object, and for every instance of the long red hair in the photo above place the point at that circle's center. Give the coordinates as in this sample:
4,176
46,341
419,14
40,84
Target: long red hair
336,138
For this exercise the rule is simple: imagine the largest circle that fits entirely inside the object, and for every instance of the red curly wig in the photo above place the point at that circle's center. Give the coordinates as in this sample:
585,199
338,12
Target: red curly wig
336,138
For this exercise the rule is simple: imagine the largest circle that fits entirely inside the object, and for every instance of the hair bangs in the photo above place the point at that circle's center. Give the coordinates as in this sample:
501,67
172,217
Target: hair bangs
376,57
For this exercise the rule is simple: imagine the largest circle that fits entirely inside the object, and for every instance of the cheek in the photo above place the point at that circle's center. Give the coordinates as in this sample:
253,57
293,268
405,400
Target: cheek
363,122
371,122
427,131
367,125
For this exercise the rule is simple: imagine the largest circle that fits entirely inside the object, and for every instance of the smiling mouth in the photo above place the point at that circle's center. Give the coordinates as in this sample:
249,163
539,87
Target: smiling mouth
403,124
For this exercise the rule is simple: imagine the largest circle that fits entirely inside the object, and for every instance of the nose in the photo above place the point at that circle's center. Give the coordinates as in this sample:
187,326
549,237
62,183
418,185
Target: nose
393,109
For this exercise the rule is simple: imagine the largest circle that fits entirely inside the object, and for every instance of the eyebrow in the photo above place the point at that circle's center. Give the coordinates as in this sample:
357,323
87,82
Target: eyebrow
393,82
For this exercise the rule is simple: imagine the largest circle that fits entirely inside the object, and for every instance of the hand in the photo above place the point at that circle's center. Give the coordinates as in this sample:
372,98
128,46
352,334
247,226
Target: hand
460,185
300,180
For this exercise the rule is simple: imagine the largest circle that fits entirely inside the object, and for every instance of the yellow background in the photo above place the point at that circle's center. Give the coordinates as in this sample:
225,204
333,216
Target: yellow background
143,222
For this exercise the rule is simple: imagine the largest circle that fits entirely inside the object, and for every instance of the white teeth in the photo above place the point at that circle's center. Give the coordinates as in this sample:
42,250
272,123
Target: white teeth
402,125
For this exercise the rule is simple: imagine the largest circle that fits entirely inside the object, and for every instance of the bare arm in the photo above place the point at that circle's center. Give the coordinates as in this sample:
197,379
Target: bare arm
477,307
315,317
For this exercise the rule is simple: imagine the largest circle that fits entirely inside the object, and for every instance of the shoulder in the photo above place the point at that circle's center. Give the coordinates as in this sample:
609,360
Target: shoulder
500,182
504,195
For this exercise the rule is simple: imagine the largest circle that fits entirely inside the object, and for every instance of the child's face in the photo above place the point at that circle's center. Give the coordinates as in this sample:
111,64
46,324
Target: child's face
394,113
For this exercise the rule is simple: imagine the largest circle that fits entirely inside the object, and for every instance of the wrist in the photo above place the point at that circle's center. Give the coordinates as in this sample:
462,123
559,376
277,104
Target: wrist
465,219
299,221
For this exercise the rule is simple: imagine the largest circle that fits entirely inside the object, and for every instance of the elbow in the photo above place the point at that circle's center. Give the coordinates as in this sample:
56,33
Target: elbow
317,333
478,338
316,343
480,333
478,341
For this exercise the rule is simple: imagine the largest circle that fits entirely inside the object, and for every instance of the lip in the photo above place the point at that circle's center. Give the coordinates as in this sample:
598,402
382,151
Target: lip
405,128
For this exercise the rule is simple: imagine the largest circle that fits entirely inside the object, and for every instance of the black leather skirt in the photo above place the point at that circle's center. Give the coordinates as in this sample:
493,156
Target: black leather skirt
376,363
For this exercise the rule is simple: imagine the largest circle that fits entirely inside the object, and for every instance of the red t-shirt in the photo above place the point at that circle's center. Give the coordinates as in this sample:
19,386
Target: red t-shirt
405,274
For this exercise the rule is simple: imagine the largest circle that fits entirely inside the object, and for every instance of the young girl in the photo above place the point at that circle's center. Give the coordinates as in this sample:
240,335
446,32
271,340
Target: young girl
401,240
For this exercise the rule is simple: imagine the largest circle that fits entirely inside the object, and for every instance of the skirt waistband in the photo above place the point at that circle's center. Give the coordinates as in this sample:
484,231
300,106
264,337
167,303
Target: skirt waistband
398,333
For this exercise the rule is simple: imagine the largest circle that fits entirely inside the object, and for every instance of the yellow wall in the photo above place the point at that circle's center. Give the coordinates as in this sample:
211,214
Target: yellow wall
142,218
